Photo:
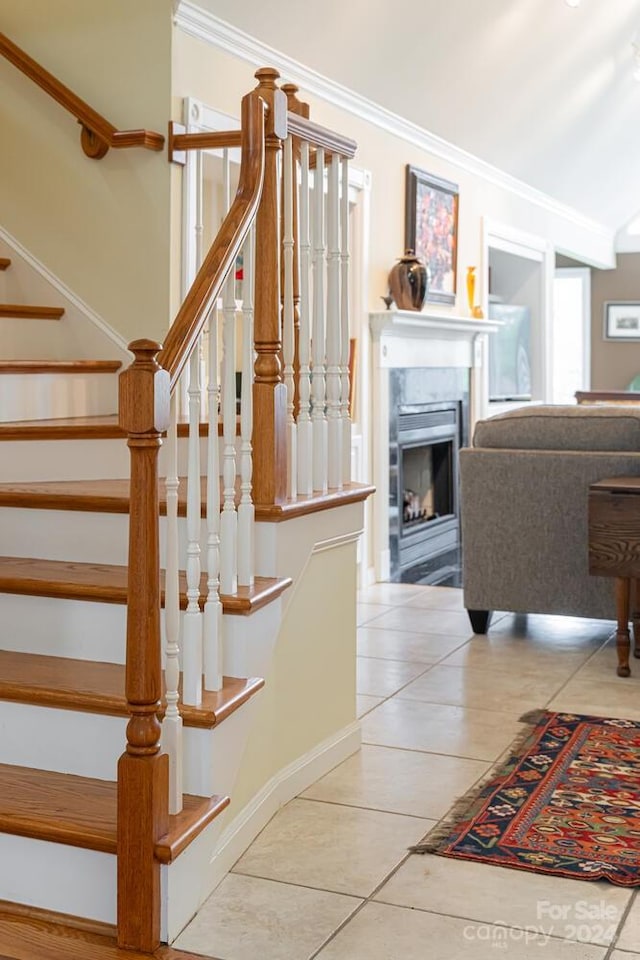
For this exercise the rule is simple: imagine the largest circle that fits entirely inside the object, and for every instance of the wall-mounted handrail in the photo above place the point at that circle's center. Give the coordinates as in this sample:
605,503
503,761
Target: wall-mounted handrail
97,133
205,289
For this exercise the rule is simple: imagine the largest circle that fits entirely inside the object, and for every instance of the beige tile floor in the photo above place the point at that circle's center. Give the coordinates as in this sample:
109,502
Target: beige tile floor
330,876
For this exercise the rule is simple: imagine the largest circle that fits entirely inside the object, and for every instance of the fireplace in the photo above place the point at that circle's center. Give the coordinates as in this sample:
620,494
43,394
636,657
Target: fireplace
430,383
424,528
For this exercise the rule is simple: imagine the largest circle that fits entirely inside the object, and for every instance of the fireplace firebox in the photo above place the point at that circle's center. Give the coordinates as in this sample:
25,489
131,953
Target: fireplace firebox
423,490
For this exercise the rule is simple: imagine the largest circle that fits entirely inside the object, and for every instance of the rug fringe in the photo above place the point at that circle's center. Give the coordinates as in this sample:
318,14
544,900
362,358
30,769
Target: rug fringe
464,807
534,716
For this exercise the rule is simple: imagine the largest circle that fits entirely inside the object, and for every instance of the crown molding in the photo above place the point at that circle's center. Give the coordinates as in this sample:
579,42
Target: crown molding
200,23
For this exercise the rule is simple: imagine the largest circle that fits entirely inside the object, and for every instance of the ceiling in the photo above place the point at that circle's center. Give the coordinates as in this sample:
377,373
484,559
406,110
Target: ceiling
537,88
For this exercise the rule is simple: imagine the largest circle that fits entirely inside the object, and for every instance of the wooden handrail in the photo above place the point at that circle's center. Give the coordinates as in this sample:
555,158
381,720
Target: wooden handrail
318,136
205,289
180,141
97,133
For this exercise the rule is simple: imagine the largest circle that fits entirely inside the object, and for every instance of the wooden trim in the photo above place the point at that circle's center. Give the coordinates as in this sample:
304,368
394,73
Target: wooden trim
93,687
143,771
59,366
607,396
196,814
102,427
9,909
319,136
303,506
26,312
81,812
269,392
112,496
179,141
31,933
107,583
206,287
97,133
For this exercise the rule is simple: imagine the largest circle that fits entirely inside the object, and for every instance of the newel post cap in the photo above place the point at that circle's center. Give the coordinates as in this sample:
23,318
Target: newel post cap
276,101
144,391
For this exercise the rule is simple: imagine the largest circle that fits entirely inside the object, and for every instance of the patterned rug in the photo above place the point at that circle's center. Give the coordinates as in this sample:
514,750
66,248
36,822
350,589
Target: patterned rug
566,802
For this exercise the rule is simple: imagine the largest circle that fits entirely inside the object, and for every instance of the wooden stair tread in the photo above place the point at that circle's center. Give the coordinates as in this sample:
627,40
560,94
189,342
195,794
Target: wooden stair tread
107,583
81,811
5,263
26,311
102,427
59,366
112,496
30,933
99,688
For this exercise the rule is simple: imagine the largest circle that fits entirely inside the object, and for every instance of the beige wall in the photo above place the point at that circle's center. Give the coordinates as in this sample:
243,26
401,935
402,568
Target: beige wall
309,694
220,80
101,226
613,365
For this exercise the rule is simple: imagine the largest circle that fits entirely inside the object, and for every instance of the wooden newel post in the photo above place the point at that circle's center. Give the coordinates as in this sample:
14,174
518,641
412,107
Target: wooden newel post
143,799
269,392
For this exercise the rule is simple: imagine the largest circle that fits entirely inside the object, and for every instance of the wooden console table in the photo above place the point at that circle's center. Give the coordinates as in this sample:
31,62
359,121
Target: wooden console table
614,551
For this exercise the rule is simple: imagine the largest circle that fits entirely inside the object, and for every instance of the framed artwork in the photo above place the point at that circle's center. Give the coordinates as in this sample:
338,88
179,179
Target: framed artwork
431,229
622,320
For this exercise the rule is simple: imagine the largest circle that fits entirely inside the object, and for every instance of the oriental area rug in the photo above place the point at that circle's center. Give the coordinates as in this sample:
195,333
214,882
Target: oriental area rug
566,802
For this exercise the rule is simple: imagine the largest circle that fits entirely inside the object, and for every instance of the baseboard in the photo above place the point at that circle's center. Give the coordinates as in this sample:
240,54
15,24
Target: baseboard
288,783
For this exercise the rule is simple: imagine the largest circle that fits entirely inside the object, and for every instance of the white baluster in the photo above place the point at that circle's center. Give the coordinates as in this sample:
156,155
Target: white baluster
192,627
305,436
334,353
344,323
318,417
213,607
288,332
172,723
246,510
229,518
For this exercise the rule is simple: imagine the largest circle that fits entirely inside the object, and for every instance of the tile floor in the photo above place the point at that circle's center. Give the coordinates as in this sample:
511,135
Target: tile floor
330,876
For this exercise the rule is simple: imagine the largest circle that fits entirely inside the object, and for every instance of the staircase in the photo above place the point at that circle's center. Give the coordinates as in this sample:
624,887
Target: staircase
63,711
116,637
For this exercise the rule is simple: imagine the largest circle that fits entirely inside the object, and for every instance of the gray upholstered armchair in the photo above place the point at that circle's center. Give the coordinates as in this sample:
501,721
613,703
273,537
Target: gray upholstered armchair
524,486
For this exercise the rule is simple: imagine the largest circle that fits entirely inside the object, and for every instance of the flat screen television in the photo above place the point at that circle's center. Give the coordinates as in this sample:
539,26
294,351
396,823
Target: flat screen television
510,353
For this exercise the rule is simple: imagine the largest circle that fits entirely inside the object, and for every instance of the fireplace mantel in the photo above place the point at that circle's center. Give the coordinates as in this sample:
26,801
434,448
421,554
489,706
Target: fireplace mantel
409,323
404,339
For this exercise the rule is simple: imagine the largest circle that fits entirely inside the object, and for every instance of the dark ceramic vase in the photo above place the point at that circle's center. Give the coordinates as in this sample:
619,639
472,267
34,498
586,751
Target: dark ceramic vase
408,282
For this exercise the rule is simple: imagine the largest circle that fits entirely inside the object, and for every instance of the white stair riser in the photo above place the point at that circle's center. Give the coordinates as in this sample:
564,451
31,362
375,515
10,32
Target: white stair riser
89,745
80,537
38,396
32,461
64,628
84,630
26,461
55,876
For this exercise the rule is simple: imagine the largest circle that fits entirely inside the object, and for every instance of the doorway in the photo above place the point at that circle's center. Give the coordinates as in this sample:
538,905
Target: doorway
570,333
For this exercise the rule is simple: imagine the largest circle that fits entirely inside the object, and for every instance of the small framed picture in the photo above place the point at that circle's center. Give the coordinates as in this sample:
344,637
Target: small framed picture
431,230
622,320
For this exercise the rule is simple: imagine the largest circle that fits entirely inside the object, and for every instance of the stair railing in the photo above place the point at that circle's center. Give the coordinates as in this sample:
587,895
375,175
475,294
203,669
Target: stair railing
145,413
97,133
316,303
294,438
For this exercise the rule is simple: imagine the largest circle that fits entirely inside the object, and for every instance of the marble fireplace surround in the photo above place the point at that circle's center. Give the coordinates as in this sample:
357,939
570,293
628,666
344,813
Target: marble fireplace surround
407,339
